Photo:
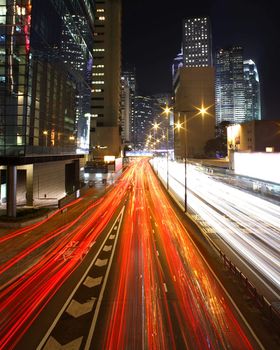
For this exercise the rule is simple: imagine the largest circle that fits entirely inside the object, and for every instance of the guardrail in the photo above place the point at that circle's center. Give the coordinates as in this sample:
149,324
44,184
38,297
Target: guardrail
271,310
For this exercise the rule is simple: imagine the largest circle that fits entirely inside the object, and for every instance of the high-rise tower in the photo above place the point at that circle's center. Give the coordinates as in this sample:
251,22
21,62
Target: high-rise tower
194,88
197,42
230,94
252,91
106,77
128,82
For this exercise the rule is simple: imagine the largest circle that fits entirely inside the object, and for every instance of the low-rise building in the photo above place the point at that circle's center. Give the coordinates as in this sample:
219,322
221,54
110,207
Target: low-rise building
254,136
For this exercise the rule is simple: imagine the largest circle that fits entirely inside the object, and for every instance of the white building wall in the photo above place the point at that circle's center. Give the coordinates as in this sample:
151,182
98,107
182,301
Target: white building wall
49,180
263,166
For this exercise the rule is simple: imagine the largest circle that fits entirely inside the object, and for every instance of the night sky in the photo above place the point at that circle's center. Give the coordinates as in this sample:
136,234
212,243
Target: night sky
152,35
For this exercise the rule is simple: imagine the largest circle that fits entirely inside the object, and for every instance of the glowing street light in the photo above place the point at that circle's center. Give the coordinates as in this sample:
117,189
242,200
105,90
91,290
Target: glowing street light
202,111
45,133
167,112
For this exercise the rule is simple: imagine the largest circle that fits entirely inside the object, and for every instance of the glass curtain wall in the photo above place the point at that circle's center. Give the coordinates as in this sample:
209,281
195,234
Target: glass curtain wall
45,72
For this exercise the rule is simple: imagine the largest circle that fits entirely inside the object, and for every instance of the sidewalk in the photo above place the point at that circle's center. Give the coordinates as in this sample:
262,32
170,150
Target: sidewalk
27,215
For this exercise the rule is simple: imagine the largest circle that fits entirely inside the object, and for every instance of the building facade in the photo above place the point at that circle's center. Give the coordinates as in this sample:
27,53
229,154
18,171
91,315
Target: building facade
43,119
105,136
230,87
144,119
254,136
128,82
194,89
178,62
193,86
197,42
252,91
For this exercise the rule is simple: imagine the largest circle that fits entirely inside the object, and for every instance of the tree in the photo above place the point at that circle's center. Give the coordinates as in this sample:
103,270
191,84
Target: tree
217,147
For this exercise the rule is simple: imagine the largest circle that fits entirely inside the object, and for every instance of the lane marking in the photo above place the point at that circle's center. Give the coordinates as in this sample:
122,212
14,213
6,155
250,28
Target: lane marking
101,263
165,288
239,257
46,336
52,344
112,237
107,248
92,282
77,309
99,301
157,253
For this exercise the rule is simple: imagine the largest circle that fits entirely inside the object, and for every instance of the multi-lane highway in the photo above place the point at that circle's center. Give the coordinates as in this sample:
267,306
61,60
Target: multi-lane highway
122,273
248,224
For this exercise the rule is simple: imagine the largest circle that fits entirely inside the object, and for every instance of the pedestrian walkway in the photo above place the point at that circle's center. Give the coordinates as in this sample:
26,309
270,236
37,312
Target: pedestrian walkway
27,215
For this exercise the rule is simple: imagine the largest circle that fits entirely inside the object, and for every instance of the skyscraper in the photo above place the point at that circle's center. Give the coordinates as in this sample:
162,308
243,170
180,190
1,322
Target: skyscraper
43,121
230,93
194,88
252,91
177,63
197,42
144,117
106,77
128,95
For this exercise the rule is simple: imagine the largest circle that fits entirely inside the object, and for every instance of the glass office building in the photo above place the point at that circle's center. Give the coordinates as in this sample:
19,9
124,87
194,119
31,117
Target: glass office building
46,59
45,75
230,89
252,91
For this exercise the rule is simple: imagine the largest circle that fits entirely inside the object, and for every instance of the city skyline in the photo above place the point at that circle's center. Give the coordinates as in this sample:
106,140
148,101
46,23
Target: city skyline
153,47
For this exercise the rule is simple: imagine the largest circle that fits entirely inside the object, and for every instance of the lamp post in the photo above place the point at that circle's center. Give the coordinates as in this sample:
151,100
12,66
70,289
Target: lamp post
155,127
167,111
201,111
45,132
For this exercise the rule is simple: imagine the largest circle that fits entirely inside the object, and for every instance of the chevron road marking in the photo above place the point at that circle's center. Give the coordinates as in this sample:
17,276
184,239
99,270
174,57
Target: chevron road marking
99,301
92,282
52,344
76,309
107,248
101,263
45,339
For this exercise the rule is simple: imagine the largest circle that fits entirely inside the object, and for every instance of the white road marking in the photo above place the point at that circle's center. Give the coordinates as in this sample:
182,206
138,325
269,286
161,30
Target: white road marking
112,237
165,288
99,301
52,344
101,263
107,248
43,341
76,309
92,282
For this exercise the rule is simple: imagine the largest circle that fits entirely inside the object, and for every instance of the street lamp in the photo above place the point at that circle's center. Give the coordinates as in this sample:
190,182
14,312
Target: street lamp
167,112
45,132
155,127
200,111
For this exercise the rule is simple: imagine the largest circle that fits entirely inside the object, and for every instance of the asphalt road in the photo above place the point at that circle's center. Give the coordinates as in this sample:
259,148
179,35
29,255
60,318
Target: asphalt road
125,275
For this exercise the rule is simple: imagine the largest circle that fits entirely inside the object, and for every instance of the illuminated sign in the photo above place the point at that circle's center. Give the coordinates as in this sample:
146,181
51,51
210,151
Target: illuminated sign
108,159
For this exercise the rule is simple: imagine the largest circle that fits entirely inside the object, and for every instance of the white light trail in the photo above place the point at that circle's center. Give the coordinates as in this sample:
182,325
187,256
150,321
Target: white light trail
249,224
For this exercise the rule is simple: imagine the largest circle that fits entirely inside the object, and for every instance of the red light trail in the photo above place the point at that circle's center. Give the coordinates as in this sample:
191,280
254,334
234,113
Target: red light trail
164,295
